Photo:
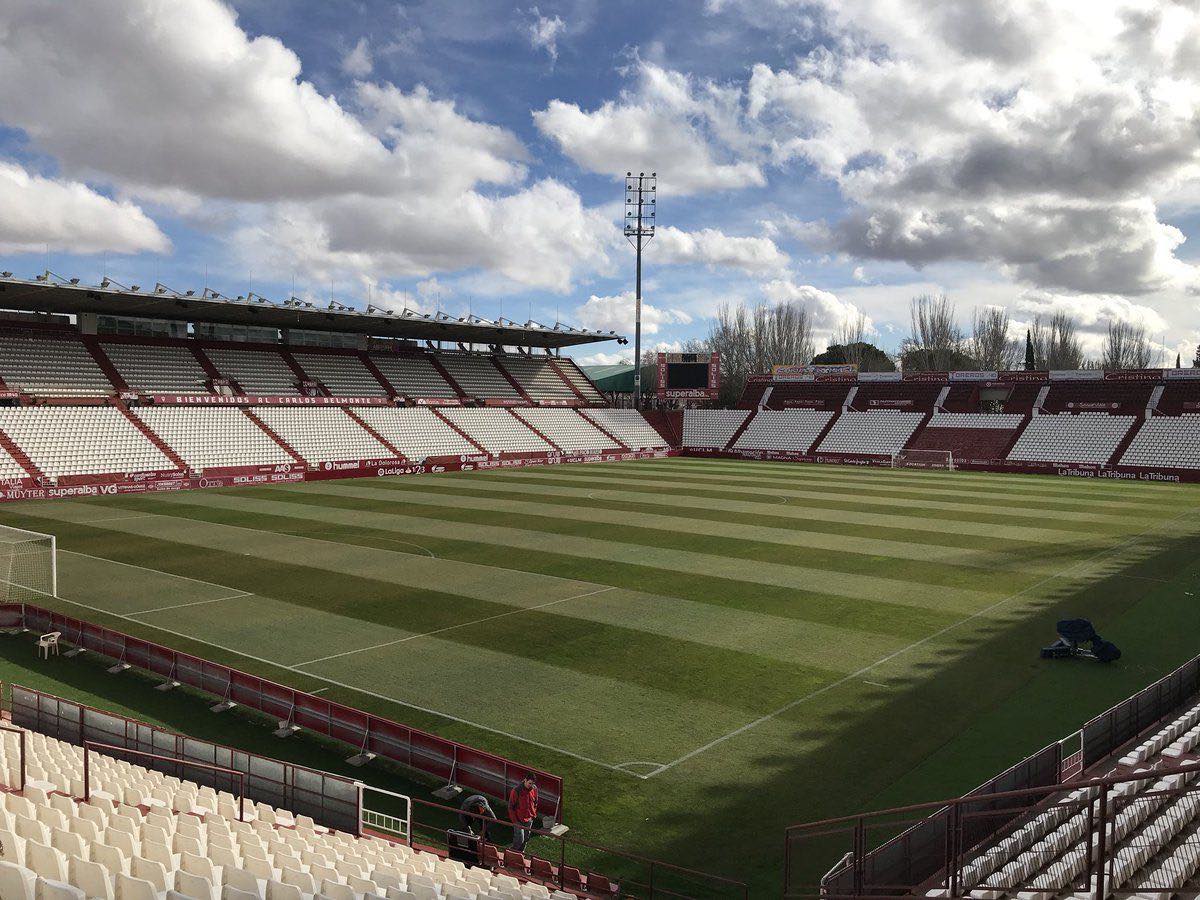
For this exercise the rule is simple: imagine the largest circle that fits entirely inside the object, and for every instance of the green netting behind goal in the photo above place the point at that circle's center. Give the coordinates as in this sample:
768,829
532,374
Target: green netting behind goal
28,567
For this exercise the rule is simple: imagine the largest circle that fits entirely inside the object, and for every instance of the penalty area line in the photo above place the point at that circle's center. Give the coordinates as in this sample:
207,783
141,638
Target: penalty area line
359,690
853,676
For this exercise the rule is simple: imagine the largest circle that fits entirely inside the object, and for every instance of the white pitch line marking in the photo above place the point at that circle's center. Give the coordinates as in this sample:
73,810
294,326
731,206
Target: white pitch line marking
413,637
363,691
426,550
925,640
875,684
146,612
116,519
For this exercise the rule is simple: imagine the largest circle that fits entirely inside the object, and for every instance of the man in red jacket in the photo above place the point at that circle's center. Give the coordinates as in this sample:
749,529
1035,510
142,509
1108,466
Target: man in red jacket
522,810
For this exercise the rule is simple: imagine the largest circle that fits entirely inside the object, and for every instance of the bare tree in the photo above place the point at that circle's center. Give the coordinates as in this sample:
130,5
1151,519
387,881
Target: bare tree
1056,342
991,346
753,341
1125,347
852,334
936,342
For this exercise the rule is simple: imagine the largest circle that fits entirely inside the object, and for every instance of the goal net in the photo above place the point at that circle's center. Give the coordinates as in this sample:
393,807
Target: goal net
923,459
28,566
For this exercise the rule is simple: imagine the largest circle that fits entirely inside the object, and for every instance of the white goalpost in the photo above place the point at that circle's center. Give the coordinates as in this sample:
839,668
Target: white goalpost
923,459
28,565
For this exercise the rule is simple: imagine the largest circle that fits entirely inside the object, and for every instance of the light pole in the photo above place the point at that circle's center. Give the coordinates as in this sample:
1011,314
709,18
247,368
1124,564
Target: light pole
640,208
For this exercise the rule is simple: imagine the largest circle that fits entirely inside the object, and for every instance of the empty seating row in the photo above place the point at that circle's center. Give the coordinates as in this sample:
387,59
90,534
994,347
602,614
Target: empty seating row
628,426
9,467
158,368
536,377
51,366
144,835
573,374
413,375
711,428
213,436
322,434
81,440
1065,437
792,430
343,374
261,373
875,432
478,376
416,432
497,430
1169,441
567,429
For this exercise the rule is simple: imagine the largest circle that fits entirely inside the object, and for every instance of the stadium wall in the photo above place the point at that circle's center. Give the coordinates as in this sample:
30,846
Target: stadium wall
1066,470
13,489
363,731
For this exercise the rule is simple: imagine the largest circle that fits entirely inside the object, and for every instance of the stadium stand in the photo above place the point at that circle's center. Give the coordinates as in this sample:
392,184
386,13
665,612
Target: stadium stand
261,373
144,835
342,374
1179,397
973,436
1116,397
792,430
213,436
898,395
877,432
158,368
51,366
711,428
412,375
478,376
567,429
537,377
81,440
496,430
9,467
1172,441
785,395
580,381
1021,398
322,434
1082,437
416,432
1111,810
628,426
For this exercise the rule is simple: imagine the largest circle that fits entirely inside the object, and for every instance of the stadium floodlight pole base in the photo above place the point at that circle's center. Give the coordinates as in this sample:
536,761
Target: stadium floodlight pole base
223,706
361,759
169,685
448,791
119,668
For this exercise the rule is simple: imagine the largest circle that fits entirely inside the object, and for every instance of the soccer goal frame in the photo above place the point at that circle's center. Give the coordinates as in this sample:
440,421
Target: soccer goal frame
923,459
28,564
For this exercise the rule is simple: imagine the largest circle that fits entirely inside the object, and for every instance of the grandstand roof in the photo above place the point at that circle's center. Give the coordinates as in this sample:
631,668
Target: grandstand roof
110,299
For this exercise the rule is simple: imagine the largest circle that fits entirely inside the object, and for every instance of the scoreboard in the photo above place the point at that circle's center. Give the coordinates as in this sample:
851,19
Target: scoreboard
689,376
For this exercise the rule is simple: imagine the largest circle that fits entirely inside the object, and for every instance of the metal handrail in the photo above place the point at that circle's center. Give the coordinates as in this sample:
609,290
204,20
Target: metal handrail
653,865
21,732
96,745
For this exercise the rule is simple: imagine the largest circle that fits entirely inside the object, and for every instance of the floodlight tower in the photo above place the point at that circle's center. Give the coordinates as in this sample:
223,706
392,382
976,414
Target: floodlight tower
640,196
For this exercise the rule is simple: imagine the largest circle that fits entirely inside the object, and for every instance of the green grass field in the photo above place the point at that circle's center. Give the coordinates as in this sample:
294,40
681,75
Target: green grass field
706,650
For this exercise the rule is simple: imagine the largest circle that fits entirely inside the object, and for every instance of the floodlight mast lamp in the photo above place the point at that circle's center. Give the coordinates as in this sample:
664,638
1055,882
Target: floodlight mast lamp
640,213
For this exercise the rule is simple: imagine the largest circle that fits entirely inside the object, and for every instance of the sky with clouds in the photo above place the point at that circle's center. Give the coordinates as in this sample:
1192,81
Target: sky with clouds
466,155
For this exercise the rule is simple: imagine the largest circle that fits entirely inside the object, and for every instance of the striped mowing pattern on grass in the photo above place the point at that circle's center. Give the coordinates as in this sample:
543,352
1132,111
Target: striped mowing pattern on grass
681,638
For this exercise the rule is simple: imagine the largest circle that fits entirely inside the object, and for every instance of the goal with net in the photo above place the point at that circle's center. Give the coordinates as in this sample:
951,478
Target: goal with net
28,565
923,459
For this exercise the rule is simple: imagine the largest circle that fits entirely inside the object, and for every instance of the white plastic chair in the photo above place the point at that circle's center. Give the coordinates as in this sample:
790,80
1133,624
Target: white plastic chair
129,888
48,643
57,890
16,883
91,878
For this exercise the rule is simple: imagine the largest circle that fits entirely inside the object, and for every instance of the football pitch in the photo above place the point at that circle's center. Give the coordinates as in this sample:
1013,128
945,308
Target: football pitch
706,650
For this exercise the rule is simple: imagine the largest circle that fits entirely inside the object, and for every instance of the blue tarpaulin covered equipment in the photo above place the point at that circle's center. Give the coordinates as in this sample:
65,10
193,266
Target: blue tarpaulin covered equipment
1073,634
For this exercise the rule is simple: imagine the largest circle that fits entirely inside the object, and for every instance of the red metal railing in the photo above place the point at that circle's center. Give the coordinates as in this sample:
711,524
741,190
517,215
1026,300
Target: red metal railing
145,754
628,874
440,757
